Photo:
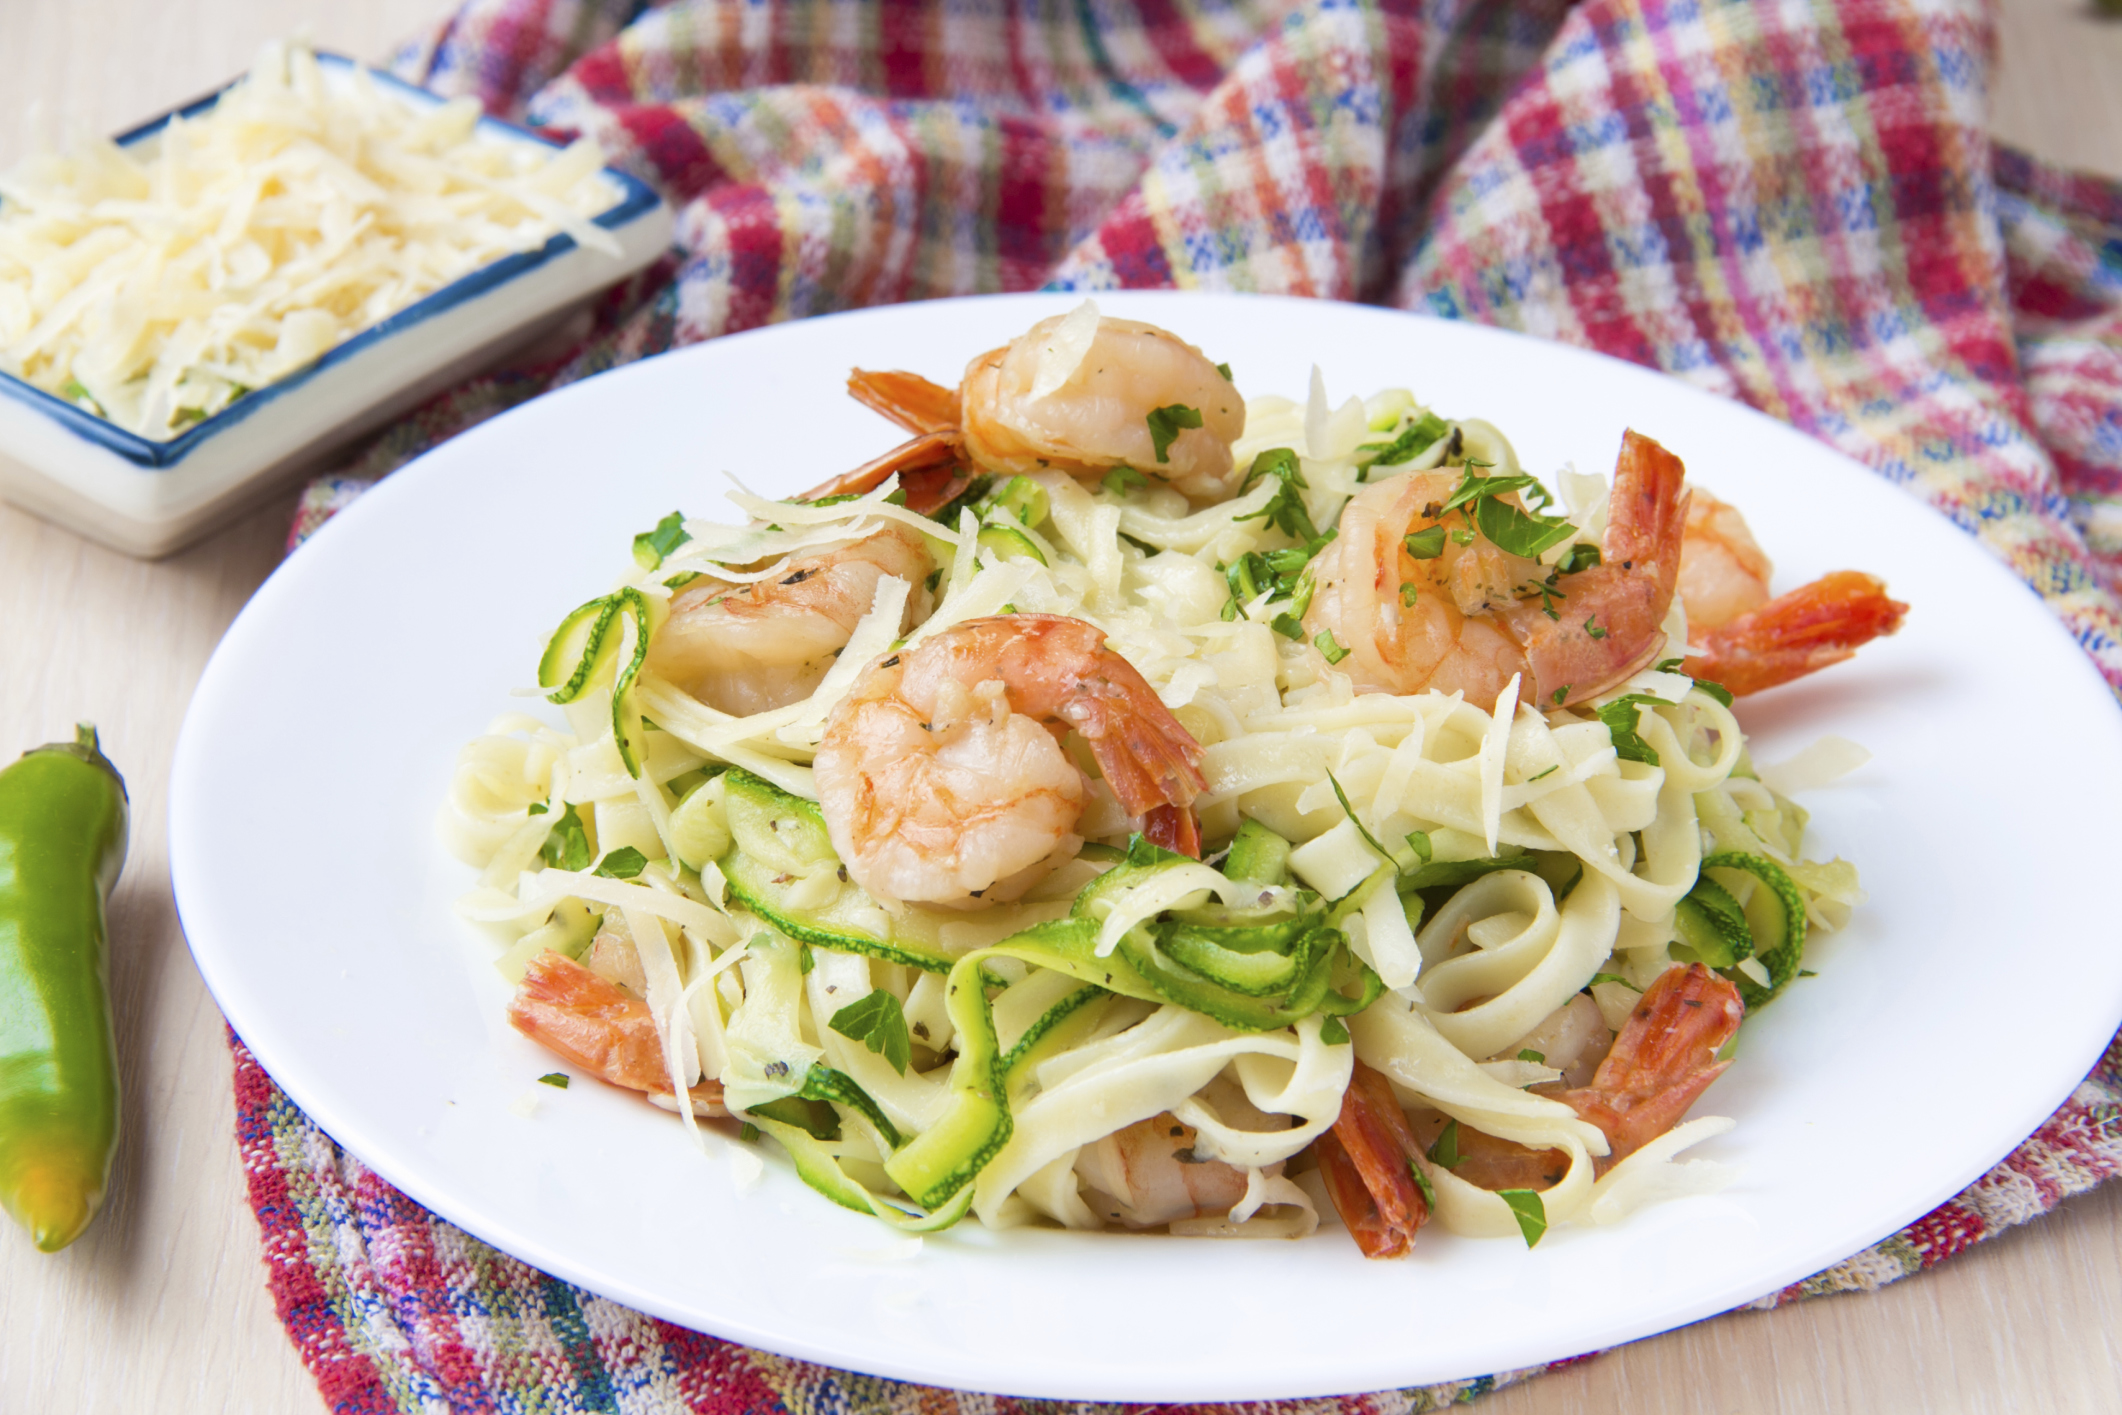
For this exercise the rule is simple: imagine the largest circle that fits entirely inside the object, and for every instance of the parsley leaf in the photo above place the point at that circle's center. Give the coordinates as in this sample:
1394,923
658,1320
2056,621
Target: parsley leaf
1592,629
1517,531
1327,644
1334,1032
1445,1151
1620,719
566,845
1426,544
1581,556
1290,627
1165,424
1561,693
651,546
555,1079
1716,690
623,863
1537,1058
877,1022
1224,369
1121,480
1530,1212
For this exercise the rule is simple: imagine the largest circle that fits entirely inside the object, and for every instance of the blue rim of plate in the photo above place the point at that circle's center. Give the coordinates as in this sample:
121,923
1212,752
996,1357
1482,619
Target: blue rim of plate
638,200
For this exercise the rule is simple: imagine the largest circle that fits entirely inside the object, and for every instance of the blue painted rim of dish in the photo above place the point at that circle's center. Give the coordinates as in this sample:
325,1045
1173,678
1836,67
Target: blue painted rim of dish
638,200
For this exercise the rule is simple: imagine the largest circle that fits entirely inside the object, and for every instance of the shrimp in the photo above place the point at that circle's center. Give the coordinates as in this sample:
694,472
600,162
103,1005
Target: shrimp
744,649
1146,1175
599,1026
1723,570
1742,639
1470,617
1141,397
1366,1162
941,776
1661,1062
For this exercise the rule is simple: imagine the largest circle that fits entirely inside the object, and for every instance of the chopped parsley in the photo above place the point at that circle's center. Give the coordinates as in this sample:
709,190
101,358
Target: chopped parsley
1445,1152
623,863
1333,1032
1224,369
1414,440
1426,544
878,1022
1290,627
1620,719
566,845
1716,690
1350,811
1123,479
1545,774
1592,629
1561,693
1429,1190
1285,510
555,1079
1537,1058
1328,645
1166,423
1581,556
651,546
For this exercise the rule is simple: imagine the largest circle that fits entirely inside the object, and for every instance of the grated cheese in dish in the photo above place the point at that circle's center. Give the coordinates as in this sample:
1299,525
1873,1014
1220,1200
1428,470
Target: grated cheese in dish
154,285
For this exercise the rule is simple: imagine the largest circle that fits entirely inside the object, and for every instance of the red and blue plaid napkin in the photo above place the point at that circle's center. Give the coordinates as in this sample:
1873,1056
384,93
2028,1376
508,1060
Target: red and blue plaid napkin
1794,203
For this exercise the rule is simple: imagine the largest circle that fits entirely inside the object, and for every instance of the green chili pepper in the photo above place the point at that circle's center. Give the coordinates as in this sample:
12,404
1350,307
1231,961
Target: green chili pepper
62,843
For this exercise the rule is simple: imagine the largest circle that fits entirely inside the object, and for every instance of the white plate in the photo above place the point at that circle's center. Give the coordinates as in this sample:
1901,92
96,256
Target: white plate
1945,1024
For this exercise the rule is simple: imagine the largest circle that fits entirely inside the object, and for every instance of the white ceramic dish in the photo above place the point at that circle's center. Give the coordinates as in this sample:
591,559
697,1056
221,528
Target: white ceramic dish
150,498
1961,1006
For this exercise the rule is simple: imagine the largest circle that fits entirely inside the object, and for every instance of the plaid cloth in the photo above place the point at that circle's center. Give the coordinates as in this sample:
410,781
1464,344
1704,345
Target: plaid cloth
1791,202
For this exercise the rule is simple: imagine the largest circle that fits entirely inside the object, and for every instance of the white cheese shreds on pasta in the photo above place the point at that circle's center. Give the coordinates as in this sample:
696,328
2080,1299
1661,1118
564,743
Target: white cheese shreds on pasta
155,284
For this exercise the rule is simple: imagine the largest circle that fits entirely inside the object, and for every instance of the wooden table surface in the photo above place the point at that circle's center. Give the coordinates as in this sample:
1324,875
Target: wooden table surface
163,1306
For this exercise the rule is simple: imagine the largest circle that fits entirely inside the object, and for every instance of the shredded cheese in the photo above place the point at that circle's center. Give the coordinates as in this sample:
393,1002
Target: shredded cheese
155,284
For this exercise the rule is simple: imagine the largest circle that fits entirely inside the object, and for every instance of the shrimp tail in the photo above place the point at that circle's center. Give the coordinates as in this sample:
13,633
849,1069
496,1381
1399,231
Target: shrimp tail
1175,828
1798,633
908,399
931,469
1663,1060
1647,515
598,1026
1632,586
1147,758
1367,1161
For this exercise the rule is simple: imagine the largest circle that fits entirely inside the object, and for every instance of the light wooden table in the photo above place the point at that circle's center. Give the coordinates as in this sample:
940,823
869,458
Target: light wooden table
163,1306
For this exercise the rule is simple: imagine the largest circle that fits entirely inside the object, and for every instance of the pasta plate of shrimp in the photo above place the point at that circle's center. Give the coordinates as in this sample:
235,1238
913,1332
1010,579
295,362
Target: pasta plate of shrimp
1094,780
